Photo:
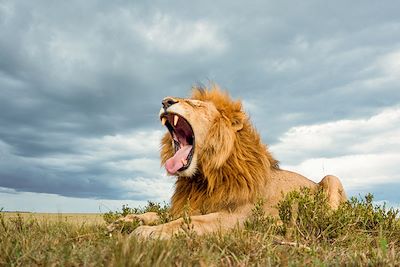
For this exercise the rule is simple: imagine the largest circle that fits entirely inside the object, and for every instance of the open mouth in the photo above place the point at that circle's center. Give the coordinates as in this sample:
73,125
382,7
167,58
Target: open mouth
183,136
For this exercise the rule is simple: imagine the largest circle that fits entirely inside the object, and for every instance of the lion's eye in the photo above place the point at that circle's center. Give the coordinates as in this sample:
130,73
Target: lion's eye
195,103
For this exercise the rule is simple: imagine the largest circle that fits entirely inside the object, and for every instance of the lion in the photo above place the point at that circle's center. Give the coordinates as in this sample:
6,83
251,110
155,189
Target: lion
221,166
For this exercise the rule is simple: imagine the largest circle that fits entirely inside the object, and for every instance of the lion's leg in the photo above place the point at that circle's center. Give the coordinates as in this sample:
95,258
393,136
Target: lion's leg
145,218
200,224
334,189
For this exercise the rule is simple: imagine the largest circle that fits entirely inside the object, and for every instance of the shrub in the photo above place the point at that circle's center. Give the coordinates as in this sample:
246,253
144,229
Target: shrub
308,216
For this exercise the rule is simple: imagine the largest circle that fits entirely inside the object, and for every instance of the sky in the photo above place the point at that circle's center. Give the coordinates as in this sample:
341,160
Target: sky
81,84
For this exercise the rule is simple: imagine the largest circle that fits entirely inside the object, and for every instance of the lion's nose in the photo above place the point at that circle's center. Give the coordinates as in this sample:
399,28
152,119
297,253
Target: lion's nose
167,102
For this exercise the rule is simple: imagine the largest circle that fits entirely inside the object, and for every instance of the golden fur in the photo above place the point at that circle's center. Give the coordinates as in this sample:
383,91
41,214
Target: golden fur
232,166
230,170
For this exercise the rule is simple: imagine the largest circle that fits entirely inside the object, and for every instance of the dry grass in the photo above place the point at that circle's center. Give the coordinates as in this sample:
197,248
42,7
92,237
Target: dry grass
76,218
358,234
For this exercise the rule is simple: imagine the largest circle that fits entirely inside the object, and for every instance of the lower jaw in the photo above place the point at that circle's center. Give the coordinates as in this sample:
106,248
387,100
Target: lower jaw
184,168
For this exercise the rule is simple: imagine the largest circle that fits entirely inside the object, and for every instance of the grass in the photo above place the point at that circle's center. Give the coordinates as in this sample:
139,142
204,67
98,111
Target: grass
308,233
76,218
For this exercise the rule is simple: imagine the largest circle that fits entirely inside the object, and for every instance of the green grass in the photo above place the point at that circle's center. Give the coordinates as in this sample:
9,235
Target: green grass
308,233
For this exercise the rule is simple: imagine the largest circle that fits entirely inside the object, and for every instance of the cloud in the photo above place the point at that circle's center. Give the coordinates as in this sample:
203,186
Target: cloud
376,134
110,167
81,84
362,152
171,35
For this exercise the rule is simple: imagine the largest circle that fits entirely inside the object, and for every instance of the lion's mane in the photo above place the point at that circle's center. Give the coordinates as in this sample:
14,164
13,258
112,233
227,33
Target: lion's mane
233,163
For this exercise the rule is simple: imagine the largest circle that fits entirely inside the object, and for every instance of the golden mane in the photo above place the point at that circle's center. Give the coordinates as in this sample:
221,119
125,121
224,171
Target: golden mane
234,163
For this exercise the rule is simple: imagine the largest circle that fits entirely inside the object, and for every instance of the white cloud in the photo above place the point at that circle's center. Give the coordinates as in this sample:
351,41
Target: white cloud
391,63
132,165
136,143
355,171
136,151
383,73
176,36
361,152
7,190
159,189
379,133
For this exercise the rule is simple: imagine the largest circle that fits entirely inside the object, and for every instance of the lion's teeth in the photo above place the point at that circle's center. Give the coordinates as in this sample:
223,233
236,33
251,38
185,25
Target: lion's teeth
184,162
163,121
176,118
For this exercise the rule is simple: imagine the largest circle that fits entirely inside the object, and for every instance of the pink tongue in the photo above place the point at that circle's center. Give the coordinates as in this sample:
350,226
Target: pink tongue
175,163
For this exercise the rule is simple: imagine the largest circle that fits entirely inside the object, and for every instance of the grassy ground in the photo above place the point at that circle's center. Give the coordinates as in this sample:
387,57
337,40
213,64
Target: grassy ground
74,218
309,234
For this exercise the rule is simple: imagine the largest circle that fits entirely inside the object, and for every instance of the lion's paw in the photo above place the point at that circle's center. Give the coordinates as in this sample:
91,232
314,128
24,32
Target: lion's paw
141,219
127,219
146,232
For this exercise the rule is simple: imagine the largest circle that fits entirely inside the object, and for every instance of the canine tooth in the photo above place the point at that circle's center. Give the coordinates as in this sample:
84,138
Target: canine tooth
163,121
176,118
184,161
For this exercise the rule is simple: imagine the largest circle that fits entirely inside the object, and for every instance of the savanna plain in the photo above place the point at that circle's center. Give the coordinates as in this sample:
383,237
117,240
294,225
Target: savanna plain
307,233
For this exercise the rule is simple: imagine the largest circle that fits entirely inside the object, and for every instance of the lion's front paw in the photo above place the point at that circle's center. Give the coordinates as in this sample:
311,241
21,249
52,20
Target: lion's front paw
145,232
136,219
121,222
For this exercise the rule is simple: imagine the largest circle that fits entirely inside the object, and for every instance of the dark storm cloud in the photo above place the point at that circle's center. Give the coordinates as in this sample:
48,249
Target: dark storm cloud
79,71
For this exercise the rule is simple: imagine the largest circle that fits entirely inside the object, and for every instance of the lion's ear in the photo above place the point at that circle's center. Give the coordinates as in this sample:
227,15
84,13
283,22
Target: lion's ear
219,144
237,120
